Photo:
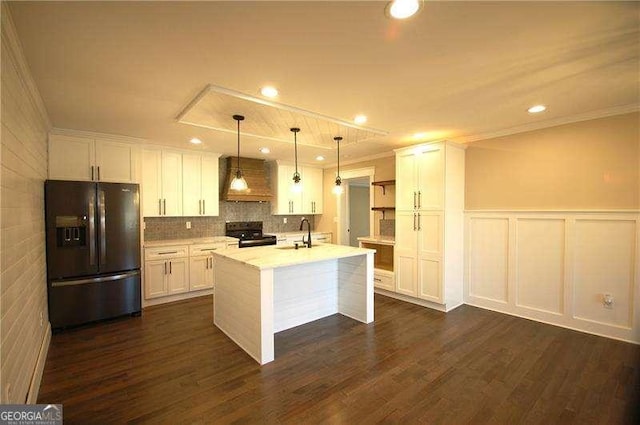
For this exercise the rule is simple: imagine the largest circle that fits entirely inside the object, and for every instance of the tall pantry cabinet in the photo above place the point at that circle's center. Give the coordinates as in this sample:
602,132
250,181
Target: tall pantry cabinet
429,223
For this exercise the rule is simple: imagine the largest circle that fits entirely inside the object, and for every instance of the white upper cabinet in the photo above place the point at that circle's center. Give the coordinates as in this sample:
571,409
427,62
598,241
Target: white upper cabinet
161,183
200,195
312,190
89,159
420,178
289,202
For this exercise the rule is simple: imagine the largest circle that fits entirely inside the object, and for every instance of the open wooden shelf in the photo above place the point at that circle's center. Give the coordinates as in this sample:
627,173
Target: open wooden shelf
383,209
384,184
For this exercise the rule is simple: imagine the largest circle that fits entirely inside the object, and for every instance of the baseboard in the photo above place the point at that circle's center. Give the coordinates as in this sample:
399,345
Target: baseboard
36,378
416,301
549,322
177,297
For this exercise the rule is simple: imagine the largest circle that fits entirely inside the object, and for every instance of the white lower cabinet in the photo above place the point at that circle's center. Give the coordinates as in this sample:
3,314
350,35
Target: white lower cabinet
201,265
166,271
181,269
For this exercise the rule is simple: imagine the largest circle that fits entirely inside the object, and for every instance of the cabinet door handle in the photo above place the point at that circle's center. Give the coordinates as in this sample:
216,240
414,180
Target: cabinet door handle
159,206
170,267
414,221
92,175
204,207
419,200
211,262
199,206
419,228
164,206
377,279
165,267
98,167
414,200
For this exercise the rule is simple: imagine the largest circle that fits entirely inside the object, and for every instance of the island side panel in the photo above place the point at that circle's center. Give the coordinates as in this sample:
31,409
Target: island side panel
304,293
238,302
355,287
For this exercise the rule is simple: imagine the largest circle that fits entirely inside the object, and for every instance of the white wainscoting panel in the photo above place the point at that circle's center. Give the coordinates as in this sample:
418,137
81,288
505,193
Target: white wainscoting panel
604,263
540,256
489,243
556,267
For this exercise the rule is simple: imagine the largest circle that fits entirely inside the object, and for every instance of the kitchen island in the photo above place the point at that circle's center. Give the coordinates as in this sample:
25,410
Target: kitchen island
263,290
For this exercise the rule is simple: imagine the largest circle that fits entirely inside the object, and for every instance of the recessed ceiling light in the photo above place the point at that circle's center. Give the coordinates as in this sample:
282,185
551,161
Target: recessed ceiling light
537,108
195,141
360,119
265,150
269,91
420,136
319,158
402,9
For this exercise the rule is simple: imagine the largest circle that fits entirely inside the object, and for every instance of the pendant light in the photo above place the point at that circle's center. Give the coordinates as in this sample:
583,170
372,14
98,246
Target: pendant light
238,183
337,189
297,186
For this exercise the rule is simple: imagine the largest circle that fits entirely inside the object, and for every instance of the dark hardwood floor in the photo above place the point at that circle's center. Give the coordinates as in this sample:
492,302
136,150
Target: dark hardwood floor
413,365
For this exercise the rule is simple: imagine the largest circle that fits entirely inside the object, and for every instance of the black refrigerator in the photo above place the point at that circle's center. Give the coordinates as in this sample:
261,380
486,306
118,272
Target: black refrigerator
93,251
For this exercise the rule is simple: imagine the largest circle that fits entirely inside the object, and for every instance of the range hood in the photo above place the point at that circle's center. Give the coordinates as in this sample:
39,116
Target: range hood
253,171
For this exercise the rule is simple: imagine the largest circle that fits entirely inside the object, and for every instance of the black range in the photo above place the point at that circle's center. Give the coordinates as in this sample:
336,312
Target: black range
249,233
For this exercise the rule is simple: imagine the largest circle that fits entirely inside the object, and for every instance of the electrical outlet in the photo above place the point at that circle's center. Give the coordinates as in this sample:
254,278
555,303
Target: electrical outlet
607,301
284,220
188,225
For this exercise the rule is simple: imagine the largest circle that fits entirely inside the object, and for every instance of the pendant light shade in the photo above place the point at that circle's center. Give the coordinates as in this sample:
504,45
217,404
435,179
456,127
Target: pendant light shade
297,186
238,183
337,189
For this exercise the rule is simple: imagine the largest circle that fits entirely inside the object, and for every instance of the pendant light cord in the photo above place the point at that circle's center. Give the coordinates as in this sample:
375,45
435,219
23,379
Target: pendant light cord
238,164
295,147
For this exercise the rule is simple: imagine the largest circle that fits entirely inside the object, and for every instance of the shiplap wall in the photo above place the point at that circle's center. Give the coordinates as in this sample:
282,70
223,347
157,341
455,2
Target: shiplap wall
24,324
556,267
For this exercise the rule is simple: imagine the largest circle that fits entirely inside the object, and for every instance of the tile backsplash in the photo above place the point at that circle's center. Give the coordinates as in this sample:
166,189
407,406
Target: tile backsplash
161,228
388,227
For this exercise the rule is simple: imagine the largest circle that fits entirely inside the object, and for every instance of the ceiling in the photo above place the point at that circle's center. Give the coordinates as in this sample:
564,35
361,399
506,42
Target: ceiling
457,70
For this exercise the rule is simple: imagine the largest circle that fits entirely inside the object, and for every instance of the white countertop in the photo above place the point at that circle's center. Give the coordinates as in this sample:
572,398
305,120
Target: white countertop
192,241
291,234
384,240
273,256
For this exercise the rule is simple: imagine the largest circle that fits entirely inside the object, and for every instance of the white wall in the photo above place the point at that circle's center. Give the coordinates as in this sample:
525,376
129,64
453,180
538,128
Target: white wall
555,267
24,336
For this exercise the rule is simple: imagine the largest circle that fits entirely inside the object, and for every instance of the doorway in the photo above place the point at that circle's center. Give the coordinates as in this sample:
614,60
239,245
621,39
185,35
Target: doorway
358,190
355,218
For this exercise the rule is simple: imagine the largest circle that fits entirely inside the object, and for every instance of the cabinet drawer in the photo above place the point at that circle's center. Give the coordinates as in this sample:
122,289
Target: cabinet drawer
158,253
384,280
200,250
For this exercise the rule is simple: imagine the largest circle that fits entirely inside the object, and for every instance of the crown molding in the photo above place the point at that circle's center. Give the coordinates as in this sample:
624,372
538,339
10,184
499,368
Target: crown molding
361,159
540,125
13,48
97,135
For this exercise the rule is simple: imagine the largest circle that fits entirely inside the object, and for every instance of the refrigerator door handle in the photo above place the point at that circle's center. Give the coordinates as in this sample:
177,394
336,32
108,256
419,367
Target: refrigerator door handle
94,279
92,231
103,236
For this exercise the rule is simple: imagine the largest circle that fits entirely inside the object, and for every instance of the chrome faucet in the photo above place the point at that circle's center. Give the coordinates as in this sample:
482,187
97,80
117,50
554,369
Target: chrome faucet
308,242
